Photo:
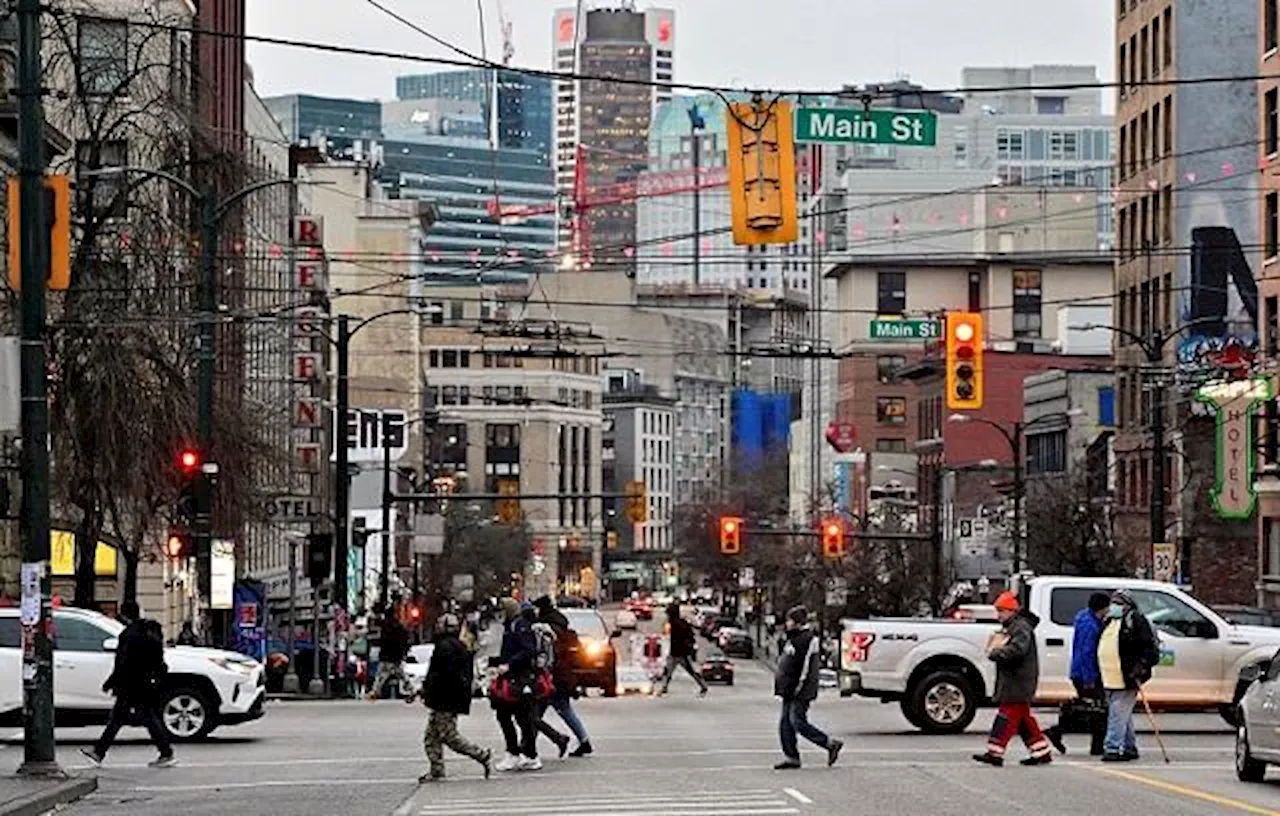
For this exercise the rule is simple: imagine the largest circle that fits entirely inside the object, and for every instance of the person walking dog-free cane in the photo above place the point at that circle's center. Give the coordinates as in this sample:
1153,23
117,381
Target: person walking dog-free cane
1013,650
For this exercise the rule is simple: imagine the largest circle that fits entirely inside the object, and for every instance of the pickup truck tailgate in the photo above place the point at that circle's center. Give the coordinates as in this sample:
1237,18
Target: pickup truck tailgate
878,656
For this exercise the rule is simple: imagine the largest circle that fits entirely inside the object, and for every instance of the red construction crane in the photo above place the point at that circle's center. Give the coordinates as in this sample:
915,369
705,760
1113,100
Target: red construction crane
649,185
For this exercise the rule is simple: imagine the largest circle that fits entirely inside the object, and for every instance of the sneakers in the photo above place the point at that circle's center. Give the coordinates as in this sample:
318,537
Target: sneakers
164,761
787,765
562,744
583,749
529,764
1043,759
989,759
93,756
703,692
431,777
486,762
1110,757
833,751
1055,738
510,762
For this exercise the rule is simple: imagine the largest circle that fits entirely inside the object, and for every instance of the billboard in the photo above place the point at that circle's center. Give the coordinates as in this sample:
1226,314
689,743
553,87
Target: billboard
660,28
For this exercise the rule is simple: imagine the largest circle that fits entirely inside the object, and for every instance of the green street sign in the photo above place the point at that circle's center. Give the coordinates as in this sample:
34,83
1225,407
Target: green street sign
906,329
875,126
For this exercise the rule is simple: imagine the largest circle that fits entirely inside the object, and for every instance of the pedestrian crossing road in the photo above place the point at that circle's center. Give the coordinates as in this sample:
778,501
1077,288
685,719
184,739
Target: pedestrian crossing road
761,802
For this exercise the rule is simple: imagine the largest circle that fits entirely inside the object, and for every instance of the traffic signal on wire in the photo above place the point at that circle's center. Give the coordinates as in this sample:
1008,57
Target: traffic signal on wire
57,220
730,535
832,534
762,172
964,361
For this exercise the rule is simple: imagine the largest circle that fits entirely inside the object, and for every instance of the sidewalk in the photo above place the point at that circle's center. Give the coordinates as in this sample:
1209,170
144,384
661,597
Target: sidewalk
21,796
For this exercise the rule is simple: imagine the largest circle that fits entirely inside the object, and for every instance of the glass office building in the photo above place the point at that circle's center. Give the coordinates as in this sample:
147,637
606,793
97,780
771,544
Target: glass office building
523,102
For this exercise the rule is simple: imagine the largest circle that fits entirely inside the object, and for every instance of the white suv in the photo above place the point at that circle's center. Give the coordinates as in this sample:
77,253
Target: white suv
205,688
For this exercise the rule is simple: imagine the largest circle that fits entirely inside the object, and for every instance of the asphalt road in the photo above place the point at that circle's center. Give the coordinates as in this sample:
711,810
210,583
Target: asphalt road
673,756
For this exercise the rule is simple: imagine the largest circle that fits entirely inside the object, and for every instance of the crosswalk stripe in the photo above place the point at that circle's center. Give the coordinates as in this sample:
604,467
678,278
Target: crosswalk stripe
587,809
712,795
695,803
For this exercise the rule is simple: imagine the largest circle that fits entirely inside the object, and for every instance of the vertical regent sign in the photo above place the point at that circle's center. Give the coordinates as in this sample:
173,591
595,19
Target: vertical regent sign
1235,404
309,345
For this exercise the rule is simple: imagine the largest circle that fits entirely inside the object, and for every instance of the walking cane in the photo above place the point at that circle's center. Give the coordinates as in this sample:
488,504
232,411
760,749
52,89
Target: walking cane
1151,718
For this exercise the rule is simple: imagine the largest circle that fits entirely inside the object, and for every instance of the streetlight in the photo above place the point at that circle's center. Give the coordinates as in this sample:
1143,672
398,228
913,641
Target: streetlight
1015,439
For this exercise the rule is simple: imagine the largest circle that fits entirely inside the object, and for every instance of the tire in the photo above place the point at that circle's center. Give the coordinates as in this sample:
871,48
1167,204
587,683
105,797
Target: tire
943,702
729,682
1248,769
1230,713
187,714
611,682
909,712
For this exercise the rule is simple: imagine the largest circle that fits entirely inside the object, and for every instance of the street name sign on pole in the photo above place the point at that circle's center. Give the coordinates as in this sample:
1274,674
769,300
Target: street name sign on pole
876,126
905,330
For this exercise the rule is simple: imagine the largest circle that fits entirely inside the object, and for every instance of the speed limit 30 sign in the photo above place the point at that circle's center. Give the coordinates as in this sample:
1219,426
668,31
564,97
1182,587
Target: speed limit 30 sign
1164,560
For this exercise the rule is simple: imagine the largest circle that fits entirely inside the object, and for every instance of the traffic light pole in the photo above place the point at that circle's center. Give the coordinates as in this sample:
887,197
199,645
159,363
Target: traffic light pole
207,303
384,578
38,752
342,479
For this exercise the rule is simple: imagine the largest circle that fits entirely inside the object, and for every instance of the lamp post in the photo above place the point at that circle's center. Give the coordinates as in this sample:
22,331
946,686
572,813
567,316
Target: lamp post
696,124
1016,438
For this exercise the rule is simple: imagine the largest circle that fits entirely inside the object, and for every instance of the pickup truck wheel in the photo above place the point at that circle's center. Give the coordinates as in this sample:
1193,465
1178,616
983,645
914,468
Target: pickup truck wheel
1248,769
187,714
943,703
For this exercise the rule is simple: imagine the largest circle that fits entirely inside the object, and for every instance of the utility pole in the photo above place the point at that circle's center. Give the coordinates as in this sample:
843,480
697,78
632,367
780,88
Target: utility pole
696,123
1019,493
384,577
1154,351
342,483
38,752
207,302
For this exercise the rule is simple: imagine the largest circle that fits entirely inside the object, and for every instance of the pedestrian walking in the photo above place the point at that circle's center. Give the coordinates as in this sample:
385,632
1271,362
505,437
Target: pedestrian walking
393,649
684,647
1090,706
563,675
446,692
796,682
136,680
512,694
1013,650
1127,654
187,637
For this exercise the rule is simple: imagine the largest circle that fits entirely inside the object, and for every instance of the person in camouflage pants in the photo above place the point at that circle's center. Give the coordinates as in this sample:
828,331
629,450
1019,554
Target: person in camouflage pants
446,690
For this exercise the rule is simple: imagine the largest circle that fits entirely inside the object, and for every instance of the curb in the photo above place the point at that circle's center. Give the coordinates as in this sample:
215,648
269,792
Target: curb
62,793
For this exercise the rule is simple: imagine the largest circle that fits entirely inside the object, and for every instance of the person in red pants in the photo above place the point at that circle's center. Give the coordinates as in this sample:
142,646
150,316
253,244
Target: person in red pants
1013,650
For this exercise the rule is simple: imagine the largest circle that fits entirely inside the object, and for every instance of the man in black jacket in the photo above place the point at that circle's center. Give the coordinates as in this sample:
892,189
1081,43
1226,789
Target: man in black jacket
684,645
796,682
392,651
136,680
446,690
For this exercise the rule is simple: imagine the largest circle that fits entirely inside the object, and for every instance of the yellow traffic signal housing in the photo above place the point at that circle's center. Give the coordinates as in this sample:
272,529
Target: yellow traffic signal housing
762,173
730,535
509,509
637,502
57,215
964,361
832,533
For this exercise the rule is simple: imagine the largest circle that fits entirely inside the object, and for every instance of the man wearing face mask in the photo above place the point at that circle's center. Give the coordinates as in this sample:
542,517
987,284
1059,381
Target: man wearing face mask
1127,654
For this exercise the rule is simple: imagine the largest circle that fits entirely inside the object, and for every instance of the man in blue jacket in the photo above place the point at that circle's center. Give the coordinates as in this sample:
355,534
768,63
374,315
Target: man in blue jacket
1086,676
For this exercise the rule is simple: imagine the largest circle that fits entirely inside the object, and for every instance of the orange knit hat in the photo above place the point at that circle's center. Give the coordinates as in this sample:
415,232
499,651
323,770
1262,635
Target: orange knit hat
1008,601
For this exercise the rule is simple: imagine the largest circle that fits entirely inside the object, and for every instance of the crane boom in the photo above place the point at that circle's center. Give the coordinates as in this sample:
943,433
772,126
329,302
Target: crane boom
508,38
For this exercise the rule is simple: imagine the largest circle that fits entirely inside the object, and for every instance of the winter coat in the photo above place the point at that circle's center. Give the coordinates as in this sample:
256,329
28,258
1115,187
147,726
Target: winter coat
139,664
1139,648
799,662
567,645
450,675
1017,664
395,641
1084,649
519,648
683,641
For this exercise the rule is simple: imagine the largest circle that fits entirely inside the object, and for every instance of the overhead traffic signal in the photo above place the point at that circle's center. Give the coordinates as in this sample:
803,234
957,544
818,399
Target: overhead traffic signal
730,535
177,545
319,557
637,502
509,509
190,466
964,361
57,220
832,534
762,172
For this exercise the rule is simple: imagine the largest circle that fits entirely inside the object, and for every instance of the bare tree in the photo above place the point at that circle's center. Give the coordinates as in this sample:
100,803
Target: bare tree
1069,532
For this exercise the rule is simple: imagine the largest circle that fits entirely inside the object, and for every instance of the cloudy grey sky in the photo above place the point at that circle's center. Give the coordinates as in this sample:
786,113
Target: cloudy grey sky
810,44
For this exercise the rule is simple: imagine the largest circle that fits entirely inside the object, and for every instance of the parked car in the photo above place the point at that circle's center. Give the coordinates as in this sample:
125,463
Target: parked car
1258,733
937,669
625,619
736,642
205,688
418,661
634,680
595,661
718,669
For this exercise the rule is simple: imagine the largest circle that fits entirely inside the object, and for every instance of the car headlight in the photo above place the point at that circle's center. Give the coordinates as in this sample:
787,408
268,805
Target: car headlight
245,667
593,648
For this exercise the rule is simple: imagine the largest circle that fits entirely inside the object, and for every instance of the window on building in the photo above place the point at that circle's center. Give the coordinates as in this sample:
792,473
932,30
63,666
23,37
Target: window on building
1155,47
1270,547
1142,54
885,445
1123,65
455,310
1272,238
107,196
1008,143
891,410
1270,38
1272,335
891,292
1051,104
1166,29
1047,452
102,56
887,366
1272,133
1027,306
435,313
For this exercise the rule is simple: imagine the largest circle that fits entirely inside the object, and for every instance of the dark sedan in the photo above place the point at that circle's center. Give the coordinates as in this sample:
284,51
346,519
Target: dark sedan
595,662
718,669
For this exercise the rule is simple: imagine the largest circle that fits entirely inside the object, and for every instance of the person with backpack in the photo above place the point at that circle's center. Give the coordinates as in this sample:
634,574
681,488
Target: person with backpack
446,691
136,680
562,674
512,694
684,647
1128,652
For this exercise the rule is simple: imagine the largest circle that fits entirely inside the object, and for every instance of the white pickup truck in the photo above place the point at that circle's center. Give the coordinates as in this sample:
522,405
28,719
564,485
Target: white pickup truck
937,670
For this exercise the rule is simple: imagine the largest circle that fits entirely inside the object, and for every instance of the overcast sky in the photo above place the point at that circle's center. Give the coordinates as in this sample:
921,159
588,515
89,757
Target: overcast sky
808,44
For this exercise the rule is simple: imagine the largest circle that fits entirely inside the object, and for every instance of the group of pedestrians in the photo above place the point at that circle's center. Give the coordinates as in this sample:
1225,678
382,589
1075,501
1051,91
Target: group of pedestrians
1114,652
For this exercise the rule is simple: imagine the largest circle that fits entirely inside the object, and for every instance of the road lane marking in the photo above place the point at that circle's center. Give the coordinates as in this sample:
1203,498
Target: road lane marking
1186,791
798,796
704,803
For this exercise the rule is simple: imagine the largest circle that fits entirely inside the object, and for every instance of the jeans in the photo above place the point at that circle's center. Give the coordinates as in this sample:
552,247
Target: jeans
795,720
562,702
524,716
1120,737
119,717
687,663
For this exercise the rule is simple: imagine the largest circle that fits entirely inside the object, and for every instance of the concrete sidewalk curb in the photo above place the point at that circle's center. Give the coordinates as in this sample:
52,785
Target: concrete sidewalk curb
61,793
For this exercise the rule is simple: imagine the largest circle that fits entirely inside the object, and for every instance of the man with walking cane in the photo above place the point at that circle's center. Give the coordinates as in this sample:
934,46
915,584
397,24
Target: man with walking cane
1127,654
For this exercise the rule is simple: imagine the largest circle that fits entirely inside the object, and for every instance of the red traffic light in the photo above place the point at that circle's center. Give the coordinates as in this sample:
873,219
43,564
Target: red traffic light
189,460
415,614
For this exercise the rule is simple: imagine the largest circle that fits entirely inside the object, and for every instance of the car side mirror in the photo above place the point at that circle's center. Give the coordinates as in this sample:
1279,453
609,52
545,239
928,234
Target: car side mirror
615,634
110,644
